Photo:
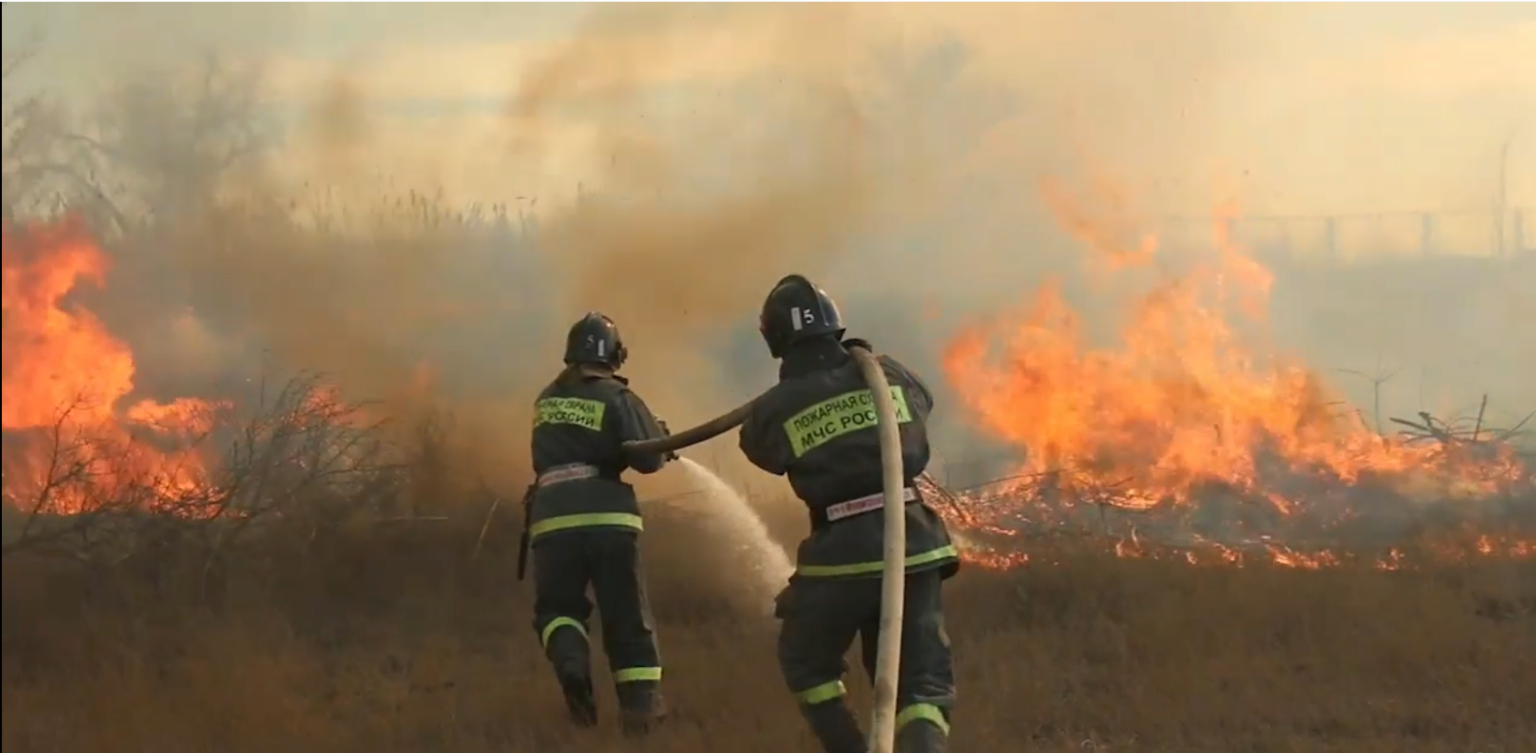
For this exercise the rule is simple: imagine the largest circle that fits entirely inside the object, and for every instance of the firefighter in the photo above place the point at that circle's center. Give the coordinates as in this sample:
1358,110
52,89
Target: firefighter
584,525
816,426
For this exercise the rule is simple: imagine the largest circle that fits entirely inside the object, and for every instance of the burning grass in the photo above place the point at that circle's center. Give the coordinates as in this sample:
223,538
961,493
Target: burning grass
1188,429
1201,554
1002,521
288,606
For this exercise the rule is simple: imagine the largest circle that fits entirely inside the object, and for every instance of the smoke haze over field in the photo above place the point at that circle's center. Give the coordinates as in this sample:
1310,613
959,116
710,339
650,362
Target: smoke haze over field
1303,109
895,151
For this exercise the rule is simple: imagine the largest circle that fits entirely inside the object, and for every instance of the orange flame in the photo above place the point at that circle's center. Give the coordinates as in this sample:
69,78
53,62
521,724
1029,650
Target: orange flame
65,378
1181,404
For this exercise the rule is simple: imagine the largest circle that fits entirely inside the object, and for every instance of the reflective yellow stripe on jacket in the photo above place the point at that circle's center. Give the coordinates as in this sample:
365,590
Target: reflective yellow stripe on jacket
929,557
586,520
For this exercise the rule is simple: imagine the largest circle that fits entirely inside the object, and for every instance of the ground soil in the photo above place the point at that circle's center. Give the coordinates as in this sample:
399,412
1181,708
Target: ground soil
407,640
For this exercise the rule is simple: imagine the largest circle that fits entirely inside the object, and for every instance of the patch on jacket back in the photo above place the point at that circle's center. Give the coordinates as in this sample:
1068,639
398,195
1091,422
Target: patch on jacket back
575,411
832,418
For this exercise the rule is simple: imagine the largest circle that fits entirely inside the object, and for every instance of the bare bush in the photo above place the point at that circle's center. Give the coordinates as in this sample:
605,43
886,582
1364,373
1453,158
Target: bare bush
38,174
301,456
162,146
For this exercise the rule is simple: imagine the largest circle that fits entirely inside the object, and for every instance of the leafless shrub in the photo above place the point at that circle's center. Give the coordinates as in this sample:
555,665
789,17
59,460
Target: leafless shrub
301,457
36,173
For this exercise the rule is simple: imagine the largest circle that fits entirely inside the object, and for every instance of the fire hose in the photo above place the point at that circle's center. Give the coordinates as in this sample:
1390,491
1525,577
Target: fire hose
882,733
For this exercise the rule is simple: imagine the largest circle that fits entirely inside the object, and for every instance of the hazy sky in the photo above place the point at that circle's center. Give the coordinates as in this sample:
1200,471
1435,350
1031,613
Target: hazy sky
1302,108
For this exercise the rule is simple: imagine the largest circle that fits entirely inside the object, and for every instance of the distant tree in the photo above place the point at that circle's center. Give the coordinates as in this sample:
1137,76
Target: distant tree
36,173
163,144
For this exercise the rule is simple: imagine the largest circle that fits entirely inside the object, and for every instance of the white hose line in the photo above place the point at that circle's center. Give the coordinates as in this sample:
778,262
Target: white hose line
893,580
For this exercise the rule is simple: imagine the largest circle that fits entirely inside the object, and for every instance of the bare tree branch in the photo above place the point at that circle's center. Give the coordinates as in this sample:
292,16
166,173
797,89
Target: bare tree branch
301,456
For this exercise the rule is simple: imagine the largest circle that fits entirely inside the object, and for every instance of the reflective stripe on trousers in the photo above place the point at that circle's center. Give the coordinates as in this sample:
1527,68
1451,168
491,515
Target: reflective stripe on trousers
556,624
929,557
835,690
637,674
627,674
922,712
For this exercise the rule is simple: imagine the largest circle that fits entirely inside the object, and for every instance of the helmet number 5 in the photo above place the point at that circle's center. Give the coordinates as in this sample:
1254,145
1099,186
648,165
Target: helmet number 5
800,317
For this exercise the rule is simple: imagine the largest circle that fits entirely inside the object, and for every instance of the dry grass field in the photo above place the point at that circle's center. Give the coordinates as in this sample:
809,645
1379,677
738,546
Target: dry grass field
333,627
385,641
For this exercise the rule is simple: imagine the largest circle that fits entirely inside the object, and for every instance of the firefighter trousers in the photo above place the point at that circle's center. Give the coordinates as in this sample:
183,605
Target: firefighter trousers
565,564
821,618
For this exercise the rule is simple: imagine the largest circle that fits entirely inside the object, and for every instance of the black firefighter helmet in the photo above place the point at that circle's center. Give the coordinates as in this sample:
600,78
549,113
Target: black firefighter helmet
595,339
797,309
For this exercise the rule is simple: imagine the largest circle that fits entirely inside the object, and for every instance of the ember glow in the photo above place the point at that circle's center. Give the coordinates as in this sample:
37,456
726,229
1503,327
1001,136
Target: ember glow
1182,415
74,436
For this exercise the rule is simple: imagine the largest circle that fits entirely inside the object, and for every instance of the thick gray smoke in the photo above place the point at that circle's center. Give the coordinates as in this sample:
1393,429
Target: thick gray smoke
895,152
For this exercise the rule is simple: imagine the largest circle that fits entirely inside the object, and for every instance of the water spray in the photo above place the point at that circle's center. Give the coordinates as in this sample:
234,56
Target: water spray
740,525
882,732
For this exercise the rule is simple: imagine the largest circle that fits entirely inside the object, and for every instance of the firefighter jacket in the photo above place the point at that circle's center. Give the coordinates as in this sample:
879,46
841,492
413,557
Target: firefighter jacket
817,426
580,421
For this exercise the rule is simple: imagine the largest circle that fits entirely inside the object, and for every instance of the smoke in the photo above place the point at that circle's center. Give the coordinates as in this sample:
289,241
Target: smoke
668,249
694,212
895,153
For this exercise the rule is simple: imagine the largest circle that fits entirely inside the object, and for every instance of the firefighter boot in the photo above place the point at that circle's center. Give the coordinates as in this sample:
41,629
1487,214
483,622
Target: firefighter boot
835,727
580,702
921,736
641,706
570,655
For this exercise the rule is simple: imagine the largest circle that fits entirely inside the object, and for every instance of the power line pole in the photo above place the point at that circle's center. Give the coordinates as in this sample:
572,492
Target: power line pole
1501,211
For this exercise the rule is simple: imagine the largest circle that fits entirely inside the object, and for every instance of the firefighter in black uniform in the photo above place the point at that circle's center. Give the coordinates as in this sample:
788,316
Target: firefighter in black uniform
584,526
816,426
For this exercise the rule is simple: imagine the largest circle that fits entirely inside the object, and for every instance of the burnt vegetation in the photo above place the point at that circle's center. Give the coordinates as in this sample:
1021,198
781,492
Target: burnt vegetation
338,577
